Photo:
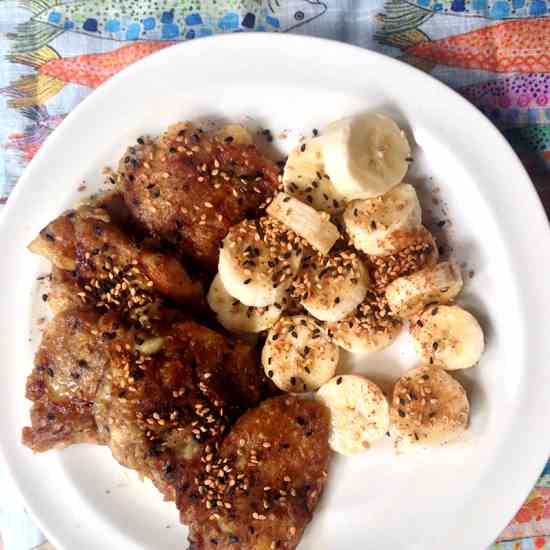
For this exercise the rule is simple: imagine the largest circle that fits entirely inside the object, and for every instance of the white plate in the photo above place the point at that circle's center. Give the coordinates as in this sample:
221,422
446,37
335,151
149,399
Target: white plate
457,497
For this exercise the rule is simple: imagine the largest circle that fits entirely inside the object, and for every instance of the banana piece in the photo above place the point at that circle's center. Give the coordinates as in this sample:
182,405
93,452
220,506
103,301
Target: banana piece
366,155
411,294
305,179
258,261
428,408
370,327
359,413
330,287
315,227
234,133
235,316
447,337
374,224
297,355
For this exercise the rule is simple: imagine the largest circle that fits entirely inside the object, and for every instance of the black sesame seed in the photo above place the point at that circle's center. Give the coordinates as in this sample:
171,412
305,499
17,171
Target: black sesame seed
247,281
83,364
50,371
303,147
301,420
270,374
50,237
339,380
293,380
401,413
44,297
419,323
425,377
228,139
315,132
435,345
434,311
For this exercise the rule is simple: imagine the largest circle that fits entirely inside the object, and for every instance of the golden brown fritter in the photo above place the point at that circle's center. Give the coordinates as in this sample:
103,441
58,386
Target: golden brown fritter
160,409
69,366
112,271
189,187
259,490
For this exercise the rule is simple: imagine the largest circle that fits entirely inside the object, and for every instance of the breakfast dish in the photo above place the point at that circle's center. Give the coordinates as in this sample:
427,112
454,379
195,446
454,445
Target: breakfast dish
142,358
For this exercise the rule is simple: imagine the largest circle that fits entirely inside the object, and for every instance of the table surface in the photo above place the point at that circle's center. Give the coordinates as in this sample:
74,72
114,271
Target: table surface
53,54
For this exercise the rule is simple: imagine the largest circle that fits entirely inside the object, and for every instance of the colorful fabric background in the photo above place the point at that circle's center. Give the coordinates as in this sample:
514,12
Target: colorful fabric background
53,53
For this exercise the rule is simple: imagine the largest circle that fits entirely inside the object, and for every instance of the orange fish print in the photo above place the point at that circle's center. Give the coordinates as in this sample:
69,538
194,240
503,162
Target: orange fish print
521,46
54,72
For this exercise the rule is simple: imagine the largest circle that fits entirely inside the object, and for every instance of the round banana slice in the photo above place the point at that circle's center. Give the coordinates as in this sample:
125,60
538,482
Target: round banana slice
359,413
373,224
429,408
304,178
411,294
417,250
370,327
366,155
330,287
447,337
235,316
258,261
297,355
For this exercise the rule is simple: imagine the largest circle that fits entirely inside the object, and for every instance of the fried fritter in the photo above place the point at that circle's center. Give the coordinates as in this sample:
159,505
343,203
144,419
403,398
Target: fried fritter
69,367
259,490
172,395
189,187
111,271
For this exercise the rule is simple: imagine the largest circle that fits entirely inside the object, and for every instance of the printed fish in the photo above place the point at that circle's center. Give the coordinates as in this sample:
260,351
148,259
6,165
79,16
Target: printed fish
518,99
530,139
124,20
34,134
53,73
403,15
521,46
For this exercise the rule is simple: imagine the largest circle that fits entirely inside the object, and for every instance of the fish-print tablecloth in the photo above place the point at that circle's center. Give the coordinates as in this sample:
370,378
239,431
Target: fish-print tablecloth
53,53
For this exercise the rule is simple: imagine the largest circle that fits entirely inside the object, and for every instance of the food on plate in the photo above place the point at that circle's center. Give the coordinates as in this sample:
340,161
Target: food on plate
258,261
418,251
448,336
411,294
159,410
365,155
314,227
237,317
297,355
260,489
370,327
304,178
331,256
375,226
428,408
114,273
359,413
331,286
189,187
68,368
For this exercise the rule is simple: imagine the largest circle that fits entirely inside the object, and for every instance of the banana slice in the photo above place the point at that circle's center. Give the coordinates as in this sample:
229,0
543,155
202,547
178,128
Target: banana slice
235,316
373,224
329,287
234,133
417,250
429,408
315,227
371,327
258,261
305,179
411,294
297,355
447,337
359,413
366,155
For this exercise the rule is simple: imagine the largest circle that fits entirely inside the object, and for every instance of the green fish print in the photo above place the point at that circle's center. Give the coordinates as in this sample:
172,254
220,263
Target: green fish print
126,20
405,15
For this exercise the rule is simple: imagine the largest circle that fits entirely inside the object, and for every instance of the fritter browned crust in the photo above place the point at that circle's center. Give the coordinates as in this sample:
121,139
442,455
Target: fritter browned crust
158,411
259,490
189,187
64,289
110,270
69,366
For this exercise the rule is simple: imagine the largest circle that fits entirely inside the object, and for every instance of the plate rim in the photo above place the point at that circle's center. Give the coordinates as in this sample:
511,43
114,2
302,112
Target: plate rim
530,196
